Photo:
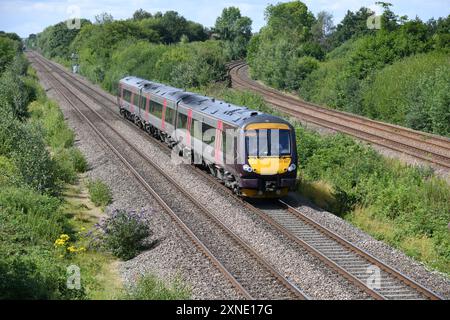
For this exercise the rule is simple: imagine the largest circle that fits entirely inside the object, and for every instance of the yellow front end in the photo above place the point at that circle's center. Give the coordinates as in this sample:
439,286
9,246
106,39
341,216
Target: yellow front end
267,166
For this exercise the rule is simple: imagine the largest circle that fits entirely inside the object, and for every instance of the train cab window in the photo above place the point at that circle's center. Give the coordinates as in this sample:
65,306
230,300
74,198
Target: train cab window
182,121
126,95
143,102
157,109
284,143
169,115
272,142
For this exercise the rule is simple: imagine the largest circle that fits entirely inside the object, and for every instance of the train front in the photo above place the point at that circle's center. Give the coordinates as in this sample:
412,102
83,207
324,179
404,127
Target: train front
269,162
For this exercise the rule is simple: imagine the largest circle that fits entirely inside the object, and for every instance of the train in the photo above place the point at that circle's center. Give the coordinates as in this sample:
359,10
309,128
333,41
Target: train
250,152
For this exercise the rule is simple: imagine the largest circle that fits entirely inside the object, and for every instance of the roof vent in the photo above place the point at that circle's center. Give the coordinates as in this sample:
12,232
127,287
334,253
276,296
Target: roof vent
254,113
213,99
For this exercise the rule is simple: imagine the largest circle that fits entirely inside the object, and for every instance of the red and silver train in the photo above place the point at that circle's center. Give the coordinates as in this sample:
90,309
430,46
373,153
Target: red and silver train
251,152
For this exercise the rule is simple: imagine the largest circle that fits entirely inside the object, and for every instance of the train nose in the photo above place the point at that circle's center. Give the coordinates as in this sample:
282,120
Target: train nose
269,165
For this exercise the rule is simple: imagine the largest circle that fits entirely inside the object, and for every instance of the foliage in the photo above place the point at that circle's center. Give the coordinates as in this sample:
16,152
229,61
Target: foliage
149,287
417,87
8,50
141,14
99,193
32,140
282,53
374,73
29,268
181,65
235,30
16,89
55,40
353,25
123,233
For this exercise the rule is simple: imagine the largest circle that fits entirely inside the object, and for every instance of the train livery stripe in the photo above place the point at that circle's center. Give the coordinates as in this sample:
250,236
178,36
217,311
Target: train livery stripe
147,108
188,128
163,116
218,142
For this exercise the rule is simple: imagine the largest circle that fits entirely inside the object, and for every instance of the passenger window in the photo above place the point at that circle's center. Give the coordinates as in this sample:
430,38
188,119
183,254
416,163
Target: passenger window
136,99
169,115
143,102
157,109
182,121
209,133
126,95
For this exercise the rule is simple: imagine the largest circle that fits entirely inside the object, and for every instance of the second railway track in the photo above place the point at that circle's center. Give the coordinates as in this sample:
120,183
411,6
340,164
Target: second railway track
345,258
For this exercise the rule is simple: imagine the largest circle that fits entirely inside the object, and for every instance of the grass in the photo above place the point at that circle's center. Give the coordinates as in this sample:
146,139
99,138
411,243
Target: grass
99,193
150,287
320,192
98,269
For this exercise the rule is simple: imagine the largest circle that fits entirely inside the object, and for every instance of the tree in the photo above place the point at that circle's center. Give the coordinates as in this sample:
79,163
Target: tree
291,18
389,20
11,35
8,49
285,52
322,29
103,18
354,24
235,30
231,24
141,14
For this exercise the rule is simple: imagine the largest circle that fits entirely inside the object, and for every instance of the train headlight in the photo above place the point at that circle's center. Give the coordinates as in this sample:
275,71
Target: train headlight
247,168
292,167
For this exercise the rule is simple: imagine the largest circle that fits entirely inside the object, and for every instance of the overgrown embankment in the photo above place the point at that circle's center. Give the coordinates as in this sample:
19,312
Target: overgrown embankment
37,159
47,209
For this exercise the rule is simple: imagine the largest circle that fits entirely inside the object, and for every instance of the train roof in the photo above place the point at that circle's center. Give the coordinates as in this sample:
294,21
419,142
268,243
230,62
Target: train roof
227,112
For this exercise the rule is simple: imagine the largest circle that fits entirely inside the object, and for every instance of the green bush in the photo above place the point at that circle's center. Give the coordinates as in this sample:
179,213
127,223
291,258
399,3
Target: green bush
149,287
78,160
8,50
417,87
65,168
34,274
29,267
124,233
181,65
9,174
99,193
50,117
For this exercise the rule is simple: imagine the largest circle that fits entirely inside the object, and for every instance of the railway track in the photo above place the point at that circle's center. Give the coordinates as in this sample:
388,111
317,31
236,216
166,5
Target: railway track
426,147
351,262
251,275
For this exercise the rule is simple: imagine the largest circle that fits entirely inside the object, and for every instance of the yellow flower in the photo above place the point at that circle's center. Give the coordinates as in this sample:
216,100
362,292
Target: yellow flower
64,237
72,249
59,242
83,229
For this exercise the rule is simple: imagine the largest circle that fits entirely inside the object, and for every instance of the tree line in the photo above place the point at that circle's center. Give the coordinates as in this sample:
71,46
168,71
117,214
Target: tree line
397,72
